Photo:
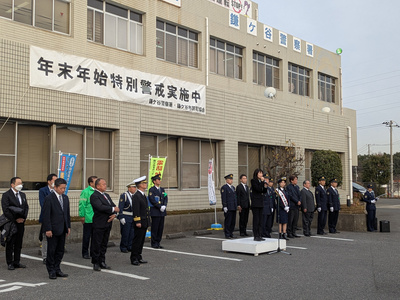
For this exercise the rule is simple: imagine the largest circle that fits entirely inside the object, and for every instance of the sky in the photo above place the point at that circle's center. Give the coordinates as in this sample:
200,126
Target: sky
367,32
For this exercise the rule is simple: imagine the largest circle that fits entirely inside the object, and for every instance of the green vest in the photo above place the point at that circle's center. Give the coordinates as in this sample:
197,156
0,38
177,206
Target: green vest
85,208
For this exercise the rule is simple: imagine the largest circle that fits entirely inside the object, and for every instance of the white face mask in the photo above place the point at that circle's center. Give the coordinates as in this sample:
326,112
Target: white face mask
18,187
52,185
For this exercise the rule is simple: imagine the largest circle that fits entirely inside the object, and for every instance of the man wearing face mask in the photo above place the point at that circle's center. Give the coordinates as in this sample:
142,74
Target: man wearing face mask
43,193
15,208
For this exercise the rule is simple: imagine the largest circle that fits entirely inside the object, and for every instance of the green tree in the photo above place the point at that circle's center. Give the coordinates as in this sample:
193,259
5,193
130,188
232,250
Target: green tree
376,168
326,163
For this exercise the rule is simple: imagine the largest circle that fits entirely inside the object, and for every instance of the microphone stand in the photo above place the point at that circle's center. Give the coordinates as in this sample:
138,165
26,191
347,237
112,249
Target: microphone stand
278,250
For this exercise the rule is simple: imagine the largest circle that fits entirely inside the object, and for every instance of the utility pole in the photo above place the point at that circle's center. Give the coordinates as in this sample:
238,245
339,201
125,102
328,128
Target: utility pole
391,124
369,149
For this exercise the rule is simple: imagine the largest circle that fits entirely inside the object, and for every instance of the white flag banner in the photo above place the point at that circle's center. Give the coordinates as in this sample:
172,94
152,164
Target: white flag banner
73,74
211,184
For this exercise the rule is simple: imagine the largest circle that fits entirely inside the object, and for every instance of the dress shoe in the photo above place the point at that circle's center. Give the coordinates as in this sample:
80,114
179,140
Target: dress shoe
124,251
96,267
242,234
161,247
234,236
86,256
61,274
337,231
44,261
228,237
289,236
285,237
306,234
268,236
104,266
135,262
52,276
295,235
11,267
18,265
155,247
257,239
246,234
142,261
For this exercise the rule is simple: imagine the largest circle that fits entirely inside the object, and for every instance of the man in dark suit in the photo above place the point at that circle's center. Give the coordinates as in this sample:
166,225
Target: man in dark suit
294,206
158,201
334,205
104,213
141,221
243,202
15,208
43,193
229,205
307,207
322,205
56,225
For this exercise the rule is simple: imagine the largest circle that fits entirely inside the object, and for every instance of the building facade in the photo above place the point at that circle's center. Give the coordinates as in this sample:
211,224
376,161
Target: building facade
117,81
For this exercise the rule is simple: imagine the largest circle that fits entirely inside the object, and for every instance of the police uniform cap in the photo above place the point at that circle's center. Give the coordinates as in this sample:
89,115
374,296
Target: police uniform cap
140,180
333,180
322,178
271,180
229,176
266,176
155,177
281,179
131,184
369,186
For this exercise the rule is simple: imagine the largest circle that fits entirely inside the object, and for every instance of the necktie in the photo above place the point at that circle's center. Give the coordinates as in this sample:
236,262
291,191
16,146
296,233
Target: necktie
61,202
18,198
107,199
233,188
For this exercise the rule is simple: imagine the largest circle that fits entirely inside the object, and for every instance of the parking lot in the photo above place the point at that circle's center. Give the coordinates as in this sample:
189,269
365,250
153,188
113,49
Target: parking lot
349,265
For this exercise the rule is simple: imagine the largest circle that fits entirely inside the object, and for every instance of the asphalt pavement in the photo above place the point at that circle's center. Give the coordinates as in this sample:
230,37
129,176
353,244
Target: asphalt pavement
349,265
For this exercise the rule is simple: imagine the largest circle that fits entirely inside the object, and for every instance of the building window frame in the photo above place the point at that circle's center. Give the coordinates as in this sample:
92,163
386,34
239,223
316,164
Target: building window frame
106,14
299,79
221,54
266,71
326,88
183,41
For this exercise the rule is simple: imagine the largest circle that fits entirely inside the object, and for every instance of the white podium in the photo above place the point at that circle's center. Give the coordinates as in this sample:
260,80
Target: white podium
248,245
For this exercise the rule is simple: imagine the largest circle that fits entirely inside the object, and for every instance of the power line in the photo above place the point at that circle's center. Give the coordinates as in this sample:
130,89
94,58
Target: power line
373,76
347,87
373,91
363,99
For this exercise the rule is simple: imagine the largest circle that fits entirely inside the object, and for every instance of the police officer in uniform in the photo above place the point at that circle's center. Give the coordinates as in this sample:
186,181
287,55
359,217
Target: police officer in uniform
322,205
334,205
141,221
269,207
229,205
158,201
126,218
369,197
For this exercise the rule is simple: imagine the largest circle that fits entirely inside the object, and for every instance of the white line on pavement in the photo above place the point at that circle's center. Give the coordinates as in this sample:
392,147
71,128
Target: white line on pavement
301,248
332,238
13,288
90,268
194,254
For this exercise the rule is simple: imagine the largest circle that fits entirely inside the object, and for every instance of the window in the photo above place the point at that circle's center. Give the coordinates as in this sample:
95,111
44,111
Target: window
326,88
265,70
114,26
176,44
28,152
249,159
225,59
192,158
52,15
299,80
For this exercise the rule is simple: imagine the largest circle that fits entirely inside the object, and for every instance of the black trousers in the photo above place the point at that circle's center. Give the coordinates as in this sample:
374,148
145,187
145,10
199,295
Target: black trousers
98,247
243,220
268,221
137,244
157,228
322,216
87,234
371,220
332,220
127,232
293,220
307,219
14,245
55,253
229,222
257,221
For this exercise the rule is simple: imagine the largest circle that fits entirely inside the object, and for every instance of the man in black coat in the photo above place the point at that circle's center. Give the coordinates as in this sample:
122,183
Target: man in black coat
141,221
334,205
56,225
294,205
243,202
15,208
307,207
257,202
322,205
104,213
229,205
